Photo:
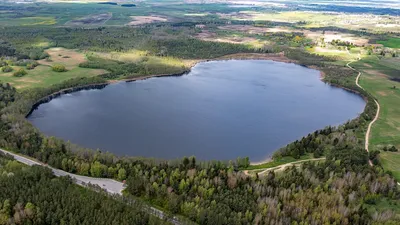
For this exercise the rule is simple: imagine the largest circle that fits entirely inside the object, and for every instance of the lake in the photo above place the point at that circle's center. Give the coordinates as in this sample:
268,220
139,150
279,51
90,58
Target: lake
220,110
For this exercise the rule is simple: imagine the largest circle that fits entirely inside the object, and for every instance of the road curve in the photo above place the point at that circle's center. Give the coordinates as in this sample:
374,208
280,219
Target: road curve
109,185
367,134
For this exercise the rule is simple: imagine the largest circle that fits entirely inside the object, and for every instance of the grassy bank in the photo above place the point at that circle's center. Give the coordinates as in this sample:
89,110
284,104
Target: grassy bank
277,162
376,79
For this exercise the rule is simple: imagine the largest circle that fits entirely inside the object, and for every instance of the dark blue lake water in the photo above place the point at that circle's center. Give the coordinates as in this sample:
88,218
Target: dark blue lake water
220,110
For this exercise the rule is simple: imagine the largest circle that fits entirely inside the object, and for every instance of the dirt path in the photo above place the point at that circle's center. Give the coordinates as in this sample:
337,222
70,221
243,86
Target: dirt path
284,166
376,116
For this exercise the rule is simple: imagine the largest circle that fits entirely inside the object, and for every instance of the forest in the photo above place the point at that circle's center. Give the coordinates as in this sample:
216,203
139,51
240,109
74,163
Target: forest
35,196
343,189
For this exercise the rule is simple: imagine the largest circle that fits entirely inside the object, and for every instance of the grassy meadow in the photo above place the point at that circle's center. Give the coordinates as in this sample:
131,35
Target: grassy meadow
391,43
43,75
376,74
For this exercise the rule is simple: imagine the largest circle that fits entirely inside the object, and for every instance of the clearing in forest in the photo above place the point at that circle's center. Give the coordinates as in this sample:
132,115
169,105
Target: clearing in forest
138,20
153,64
43,75
67,57
95,19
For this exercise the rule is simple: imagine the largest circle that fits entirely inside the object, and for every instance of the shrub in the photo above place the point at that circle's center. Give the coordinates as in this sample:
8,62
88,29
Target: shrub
6,69
32,65
20,73
59,68
393,149
25,62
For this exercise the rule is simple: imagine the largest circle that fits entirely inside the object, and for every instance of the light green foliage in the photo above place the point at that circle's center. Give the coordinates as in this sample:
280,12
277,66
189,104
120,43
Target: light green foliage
6,69
97,169
20,73
59,68
121,174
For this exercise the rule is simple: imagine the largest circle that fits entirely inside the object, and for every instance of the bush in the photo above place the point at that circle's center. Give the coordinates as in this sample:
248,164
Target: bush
393,149
20,73
59,68
6,69
373,154
32,66
390,149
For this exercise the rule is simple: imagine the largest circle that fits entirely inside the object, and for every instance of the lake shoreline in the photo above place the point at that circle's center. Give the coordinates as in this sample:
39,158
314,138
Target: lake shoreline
279,57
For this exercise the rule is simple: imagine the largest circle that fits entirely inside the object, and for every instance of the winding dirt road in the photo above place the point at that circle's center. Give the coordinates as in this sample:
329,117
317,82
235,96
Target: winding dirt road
367,134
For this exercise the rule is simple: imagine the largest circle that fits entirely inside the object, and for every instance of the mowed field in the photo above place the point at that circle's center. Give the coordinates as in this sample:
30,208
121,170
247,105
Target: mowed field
386,130
391,43
43,75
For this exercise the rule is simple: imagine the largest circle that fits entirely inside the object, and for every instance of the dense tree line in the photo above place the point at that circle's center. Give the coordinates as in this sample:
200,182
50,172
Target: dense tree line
333,192
116,39
34,196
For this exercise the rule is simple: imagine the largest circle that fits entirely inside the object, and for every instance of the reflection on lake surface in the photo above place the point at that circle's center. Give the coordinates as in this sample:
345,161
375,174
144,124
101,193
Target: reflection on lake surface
220,110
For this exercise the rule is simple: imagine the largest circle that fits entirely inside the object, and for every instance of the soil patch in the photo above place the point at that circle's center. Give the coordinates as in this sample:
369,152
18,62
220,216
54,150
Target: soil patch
96,19
138,20
376,72
67,57
382,93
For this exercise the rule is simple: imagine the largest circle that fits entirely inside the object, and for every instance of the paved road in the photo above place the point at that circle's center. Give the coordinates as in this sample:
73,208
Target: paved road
367,134
109,185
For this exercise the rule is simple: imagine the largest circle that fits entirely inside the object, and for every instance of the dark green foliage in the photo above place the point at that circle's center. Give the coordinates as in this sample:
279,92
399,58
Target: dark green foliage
373,154
6,49
393,149
195,49
128,5
116,68
108,3
7,95
118,39
37,54
20,73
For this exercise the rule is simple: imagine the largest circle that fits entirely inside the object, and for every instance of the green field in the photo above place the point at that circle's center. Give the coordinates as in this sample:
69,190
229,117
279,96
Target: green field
386,130
391,43
43,76
391,162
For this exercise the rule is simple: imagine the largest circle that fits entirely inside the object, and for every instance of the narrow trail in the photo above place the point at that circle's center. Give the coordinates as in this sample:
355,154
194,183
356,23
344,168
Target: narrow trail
283,166
367,134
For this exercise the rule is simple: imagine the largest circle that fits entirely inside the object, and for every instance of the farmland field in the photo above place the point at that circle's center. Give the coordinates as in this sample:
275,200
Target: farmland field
391,43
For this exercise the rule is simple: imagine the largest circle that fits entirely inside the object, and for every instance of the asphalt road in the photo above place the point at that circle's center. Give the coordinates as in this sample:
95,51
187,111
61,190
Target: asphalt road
110,185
